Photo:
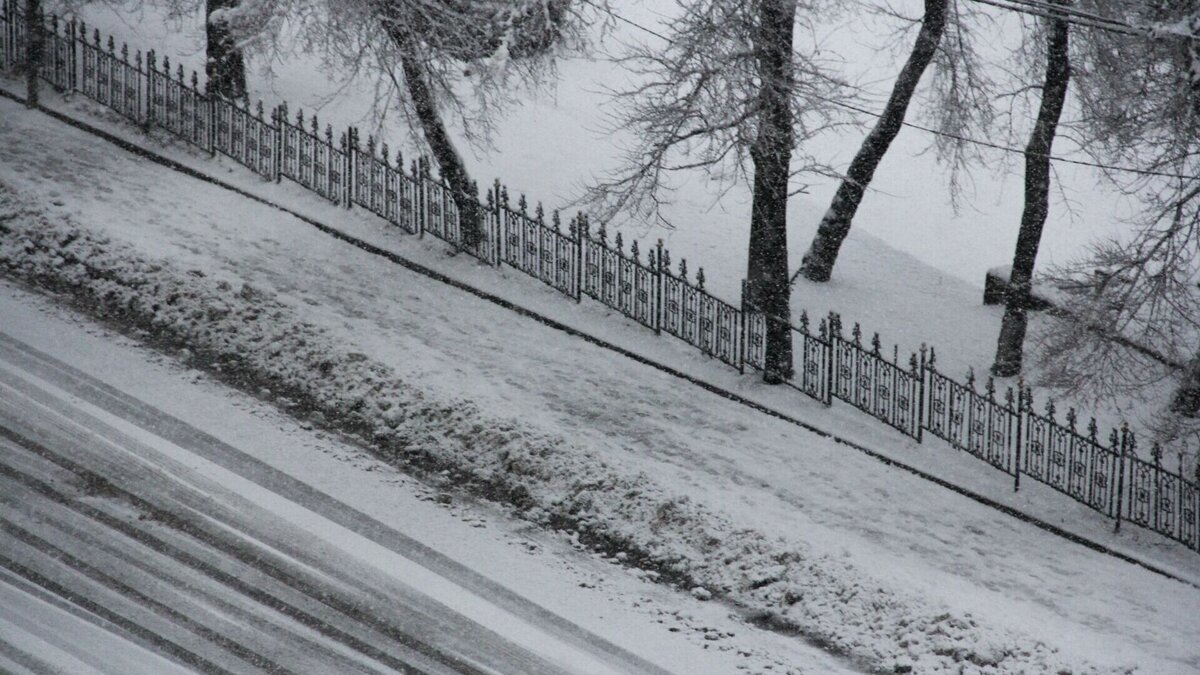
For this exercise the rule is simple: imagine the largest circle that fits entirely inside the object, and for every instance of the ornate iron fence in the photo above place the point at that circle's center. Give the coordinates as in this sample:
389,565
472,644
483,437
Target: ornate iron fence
1005,432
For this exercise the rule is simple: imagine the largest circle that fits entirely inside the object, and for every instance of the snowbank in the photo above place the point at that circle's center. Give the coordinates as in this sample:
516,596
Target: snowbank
259,343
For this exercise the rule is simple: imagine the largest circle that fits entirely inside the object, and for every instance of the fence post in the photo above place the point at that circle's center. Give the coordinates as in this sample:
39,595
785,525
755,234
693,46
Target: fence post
580,237
1120,445
658,286
72,57
1020,436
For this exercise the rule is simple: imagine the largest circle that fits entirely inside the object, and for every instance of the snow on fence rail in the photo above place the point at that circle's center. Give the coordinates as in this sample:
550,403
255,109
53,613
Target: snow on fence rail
913,397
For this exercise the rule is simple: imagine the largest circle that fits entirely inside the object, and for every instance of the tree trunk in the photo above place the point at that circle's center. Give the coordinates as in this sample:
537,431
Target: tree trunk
35,48
767,287
835,225
450,164
225,65
1010,347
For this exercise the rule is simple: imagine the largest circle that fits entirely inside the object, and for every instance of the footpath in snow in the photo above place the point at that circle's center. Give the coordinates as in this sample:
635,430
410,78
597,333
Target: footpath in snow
869,560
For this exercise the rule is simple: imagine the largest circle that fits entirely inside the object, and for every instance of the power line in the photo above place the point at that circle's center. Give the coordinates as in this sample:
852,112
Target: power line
929,130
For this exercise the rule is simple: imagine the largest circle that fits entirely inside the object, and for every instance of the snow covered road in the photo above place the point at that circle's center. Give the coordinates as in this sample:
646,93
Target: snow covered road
222,574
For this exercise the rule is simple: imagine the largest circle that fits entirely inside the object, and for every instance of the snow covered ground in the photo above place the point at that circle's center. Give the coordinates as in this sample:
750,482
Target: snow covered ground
673,630
856,554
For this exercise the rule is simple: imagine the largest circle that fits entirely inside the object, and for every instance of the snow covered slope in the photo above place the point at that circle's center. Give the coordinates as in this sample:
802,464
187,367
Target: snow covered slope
867,559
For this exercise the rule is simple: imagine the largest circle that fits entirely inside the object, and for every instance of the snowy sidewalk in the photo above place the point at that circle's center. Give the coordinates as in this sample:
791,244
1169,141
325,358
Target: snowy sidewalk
930,549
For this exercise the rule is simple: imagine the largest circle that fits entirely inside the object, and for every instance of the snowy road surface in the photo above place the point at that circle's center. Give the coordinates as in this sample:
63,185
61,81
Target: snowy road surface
220,573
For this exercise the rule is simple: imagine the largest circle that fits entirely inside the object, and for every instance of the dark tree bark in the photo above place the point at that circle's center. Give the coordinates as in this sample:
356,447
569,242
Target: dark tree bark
835,225
1010,346
450,164
35,48
225,64
767,284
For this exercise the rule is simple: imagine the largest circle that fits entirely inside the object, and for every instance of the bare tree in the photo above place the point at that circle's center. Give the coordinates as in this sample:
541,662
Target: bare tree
835,225
1010,345
1132,303
430,59
730,94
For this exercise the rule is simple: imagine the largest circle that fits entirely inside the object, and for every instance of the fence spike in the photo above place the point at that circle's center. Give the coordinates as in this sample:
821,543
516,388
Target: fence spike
913,365
1071,418
523,205
195,81
259,110
823,329
857,335
1050,409
179,75
152,61
633,250
137,59
329,135
1128,435
385,155
399,160
1008,397
895,354
504,196
700,278
491,196
603,234
804,320
112,44
82,29
1156,452
1092,429
683,268
556,221
932,358
343,140
539,214
96,37
620,244
835,324
166,62
125,52
990,388
875,344
971,377
666,261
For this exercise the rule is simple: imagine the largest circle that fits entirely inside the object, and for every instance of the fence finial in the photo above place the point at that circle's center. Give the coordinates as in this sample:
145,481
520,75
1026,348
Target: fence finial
259,110
875,344
556,221
523,205
633,250
620,243
971,377
683,268
539,214
195,81
1008,397
179,73
804,321
603,234
990,388
1050,409
700,278
1071,418
666,261
857,335
932,358
166,62
1156,452
1092,429
823,329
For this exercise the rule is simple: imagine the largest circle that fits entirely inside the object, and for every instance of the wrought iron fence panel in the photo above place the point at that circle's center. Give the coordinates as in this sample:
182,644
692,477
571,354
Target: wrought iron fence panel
679,308
947,409
815,364
1189,507
756,340
9,38
866,380
58,63
726,320
109,79
543,251
644,309
309,160
1142,492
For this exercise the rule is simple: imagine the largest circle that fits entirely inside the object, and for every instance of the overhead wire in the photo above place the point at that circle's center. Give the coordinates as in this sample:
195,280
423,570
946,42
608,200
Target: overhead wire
936,132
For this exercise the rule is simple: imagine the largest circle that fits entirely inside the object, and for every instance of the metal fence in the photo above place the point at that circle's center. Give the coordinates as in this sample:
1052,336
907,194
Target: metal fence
911,396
